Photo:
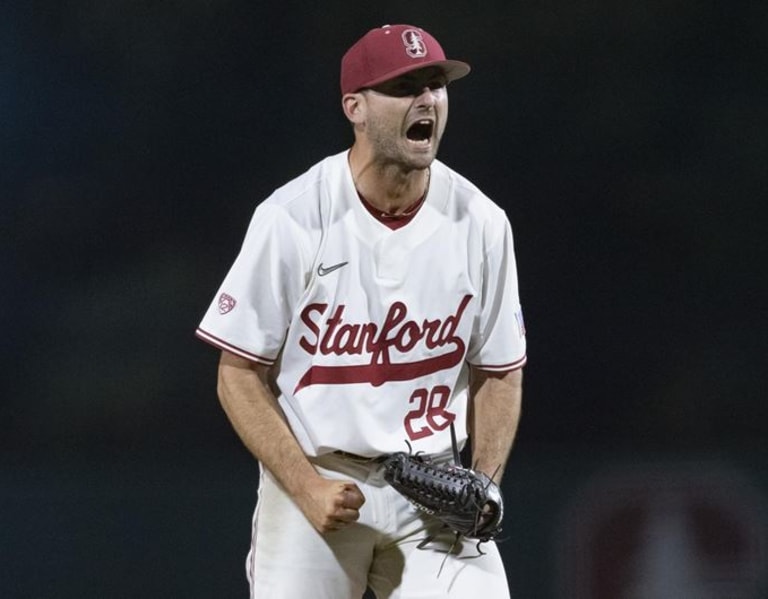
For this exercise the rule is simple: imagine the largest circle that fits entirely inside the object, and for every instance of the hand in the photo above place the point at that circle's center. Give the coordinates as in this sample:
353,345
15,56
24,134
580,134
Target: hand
331,504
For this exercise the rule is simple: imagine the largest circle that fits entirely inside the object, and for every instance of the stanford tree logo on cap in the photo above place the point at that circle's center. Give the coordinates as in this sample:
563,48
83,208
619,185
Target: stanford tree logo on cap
414,43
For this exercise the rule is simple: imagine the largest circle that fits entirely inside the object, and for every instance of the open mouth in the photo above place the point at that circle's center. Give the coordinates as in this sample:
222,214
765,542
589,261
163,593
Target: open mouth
420,131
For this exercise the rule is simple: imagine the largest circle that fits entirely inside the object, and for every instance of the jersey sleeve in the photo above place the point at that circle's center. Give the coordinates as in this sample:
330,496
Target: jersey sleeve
250,314
498,342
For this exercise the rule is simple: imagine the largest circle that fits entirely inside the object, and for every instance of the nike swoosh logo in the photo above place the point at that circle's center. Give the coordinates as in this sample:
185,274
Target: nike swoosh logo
323,270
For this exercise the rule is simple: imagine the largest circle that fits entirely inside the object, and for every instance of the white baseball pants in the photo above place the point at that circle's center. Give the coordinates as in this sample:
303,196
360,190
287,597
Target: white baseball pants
290,560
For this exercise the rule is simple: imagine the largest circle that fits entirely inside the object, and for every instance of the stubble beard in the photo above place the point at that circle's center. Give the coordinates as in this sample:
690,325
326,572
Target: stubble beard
391,148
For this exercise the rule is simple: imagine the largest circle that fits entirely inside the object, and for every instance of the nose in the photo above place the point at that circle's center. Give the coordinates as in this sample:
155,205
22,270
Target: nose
427,96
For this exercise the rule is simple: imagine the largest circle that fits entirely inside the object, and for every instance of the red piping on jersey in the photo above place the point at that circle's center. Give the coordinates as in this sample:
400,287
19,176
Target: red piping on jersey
221,344
503,367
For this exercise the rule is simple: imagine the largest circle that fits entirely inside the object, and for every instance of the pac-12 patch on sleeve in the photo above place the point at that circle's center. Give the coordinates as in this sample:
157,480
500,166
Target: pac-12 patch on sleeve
226,303
520,323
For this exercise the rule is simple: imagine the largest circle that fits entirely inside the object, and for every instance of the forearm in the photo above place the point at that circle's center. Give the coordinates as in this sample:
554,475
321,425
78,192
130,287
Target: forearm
494,418
255,415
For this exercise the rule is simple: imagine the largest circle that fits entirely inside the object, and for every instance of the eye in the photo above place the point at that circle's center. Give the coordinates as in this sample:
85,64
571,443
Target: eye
399,88
405,88
415,88
436,84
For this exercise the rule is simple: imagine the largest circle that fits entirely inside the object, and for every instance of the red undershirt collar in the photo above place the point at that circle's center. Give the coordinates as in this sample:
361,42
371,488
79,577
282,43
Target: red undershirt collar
393,221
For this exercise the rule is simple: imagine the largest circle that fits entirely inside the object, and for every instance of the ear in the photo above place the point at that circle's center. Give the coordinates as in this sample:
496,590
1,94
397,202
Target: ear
354,107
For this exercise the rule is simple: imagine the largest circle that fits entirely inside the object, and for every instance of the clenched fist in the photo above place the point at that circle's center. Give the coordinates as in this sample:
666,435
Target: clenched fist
331,504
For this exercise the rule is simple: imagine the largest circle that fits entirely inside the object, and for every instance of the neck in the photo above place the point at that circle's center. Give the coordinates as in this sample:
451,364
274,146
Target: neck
388,187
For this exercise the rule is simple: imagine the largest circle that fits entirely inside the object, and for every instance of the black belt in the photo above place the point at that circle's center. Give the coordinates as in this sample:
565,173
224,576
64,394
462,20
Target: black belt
356,458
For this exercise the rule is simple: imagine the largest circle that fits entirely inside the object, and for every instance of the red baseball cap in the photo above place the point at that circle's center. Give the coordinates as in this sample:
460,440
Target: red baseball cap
390,51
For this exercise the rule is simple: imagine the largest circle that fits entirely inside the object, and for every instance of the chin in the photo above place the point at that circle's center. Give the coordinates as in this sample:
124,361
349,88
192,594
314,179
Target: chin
421,163
423,159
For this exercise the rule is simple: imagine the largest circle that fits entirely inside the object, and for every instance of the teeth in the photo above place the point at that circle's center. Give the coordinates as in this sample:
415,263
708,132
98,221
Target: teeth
421,131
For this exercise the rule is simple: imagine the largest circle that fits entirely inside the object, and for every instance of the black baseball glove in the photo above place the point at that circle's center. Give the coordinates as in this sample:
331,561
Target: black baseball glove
464,500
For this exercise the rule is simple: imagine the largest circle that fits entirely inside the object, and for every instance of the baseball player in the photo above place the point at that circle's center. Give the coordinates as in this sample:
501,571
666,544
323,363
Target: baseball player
374,303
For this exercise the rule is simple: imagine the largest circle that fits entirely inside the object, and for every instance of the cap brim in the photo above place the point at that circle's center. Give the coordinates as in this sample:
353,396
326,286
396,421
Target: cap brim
453,69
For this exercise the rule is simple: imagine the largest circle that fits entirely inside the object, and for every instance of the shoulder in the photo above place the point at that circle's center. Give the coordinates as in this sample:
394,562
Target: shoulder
306,186
300,199
465,200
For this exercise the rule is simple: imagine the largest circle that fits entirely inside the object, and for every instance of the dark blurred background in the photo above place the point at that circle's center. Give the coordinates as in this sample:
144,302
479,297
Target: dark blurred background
628,142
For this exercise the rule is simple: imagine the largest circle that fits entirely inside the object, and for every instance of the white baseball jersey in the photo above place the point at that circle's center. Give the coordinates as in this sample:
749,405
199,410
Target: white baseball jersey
372,329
